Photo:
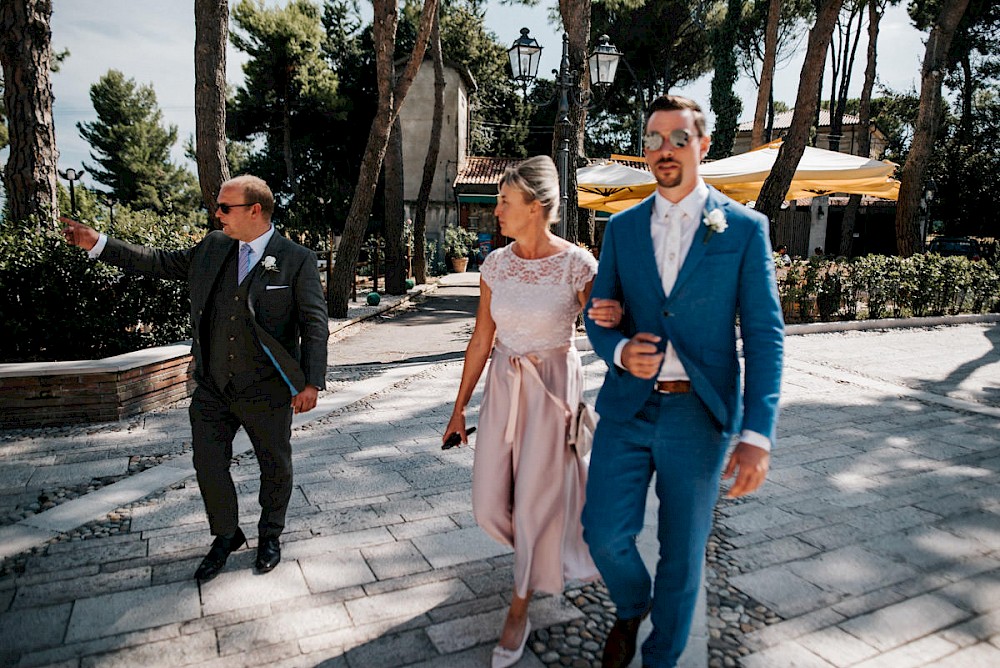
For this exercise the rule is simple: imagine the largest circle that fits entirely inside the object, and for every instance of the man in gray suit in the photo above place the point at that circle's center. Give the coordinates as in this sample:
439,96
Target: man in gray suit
259,343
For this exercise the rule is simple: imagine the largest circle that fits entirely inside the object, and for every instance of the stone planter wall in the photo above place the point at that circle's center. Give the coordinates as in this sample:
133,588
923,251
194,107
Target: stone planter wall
38,394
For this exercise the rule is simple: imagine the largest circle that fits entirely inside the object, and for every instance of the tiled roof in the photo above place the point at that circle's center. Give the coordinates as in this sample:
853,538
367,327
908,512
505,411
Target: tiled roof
783,120
484,170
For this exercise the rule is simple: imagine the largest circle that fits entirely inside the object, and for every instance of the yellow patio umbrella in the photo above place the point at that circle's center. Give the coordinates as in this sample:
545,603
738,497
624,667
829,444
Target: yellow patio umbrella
599,184
820,172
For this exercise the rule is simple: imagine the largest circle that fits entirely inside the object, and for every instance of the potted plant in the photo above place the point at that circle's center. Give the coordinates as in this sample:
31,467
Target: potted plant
458,244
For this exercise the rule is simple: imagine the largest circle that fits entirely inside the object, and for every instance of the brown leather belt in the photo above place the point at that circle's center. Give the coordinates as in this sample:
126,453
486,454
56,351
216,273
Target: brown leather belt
673,386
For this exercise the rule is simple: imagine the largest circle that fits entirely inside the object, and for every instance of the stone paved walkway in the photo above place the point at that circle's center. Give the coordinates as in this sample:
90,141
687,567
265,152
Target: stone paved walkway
876,541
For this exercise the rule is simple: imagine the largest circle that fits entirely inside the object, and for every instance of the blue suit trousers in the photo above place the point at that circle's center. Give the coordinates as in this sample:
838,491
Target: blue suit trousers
676,437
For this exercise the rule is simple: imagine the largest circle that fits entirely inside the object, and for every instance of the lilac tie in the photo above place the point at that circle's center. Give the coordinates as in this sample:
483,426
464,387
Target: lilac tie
244,267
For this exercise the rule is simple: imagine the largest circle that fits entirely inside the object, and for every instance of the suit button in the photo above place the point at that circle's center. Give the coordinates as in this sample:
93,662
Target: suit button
666,313
232,338
236,298
233,318
232,357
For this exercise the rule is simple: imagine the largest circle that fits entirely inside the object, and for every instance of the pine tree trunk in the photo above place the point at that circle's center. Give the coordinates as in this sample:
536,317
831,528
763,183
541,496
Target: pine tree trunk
766,73
875,9
286,143
769,130
25,54
777,183
838,110
968,92
211,27
395,253
430,161
390,99
908,239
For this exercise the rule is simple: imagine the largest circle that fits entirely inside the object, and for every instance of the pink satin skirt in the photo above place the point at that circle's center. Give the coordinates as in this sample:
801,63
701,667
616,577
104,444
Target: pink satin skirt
527,483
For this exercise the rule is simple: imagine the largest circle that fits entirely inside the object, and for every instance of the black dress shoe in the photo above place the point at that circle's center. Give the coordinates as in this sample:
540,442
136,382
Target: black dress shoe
222,547
619,648
268,554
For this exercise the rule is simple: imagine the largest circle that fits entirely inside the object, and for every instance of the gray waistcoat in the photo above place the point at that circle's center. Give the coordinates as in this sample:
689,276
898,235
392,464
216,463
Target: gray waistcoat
234,355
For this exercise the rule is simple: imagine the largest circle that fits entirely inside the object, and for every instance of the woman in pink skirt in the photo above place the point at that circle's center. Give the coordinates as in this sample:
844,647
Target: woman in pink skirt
527,481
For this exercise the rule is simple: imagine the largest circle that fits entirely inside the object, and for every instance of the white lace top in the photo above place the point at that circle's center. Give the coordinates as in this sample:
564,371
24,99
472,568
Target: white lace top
534,302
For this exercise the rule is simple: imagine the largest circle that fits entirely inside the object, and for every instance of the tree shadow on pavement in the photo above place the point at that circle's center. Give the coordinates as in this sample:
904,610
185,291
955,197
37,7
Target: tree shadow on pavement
990,394
880,518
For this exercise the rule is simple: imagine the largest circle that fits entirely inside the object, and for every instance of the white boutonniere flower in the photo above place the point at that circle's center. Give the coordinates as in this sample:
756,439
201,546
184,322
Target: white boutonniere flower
269,263
715,221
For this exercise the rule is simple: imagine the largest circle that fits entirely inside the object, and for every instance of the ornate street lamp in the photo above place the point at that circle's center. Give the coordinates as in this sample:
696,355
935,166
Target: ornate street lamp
524,57
72,176
604,62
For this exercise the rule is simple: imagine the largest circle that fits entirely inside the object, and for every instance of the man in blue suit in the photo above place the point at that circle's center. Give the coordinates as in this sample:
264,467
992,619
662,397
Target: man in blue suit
683,264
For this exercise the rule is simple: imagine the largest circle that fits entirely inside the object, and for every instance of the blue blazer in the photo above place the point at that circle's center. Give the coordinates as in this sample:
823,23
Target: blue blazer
725,274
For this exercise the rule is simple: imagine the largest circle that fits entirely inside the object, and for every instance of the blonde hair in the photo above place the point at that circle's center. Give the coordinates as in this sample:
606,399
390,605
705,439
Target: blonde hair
256,191
538,179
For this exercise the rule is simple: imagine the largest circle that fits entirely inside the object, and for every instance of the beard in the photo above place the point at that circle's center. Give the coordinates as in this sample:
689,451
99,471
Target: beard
669,181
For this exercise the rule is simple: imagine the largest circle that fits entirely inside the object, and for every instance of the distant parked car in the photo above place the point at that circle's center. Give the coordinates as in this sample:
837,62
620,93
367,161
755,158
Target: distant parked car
963,246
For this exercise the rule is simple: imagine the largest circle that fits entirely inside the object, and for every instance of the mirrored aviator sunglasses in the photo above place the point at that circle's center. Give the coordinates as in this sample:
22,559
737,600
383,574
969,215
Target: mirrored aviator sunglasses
679,138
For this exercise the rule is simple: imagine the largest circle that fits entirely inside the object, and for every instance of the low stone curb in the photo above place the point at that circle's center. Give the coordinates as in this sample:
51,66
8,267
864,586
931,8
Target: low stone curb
388,303
888,323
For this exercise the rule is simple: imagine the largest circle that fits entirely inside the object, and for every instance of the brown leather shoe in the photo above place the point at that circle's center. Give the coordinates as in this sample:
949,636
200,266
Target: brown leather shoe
619,648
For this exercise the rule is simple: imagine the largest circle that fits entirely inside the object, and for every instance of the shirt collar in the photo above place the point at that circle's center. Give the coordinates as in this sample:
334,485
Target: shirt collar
260,243
692,205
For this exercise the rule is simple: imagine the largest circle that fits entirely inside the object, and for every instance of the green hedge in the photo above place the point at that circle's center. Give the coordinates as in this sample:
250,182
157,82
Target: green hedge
879,286
56,304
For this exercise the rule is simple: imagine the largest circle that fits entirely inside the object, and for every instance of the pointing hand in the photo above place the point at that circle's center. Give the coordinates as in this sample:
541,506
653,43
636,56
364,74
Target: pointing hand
79,234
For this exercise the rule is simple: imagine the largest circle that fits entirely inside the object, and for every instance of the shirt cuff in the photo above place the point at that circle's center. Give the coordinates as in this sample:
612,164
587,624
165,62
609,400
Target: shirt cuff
618,354
98,248
756,440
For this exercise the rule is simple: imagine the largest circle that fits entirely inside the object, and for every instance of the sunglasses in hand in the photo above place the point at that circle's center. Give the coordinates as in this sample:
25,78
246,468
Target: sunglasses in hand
455,438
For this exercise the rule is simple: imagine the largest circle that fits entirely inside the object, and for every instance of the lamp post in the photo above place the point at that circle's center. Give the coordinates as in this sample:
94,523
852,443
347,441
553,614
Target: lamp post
930,190
72,176
525,55
110,200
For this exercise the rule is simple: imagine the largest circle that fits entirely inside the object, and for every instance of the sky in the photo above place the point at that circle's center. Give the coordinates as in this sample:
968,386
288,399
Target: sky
152,41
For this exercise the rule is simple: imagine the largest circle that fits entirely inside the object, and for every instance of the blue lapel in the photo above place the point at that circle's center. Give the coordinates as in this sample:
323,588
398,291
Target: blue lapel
642,240
716,200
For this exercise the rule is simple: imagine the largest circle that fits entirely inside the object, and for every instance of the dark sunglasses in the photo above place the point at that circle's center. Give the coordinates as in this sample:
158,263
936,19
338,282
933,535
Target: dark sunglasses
679,138
224,208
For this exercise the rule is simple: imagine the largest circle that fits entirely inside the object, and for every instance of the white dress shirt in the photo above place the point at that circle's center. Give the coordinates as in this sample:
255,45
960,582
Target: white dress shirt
670,246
